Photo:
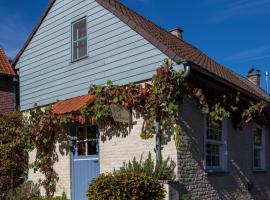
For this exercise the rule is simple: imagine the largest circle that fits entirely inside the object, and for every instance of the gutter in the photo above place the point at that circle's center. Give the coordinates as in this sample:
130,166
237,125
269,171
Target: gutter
220,80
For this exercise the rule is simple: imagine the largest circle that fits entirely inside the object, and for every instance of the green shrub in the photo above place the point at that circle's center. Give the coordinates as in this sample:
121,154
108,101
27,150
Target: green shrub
125,186
63,197
186,196
164,170
25,191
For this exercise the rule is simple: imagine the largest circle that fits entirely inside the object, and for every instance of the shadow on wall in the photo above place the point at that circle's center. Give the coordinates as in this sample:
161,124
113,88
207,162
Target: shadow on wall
191,173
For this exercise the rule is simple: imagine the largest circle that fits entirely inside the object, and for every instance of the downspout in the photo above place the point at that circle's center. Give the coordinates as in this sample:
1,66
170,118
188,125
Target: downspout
14,87
157,124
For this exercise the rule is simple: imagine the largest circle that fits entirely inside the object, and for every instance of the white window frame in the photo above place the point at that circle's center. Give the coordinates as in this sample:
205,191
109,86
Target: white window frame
223,167
262,150
83,38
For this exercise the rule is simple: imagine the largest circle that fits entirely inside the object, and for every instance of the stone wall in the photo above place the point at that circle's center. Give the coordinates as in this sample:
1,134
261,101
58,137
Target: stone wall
240,177
117,146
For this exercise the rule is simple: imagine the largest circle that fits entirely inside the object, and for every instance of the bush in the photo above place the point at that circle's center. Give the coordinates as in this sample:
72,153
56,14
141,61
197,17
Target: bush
160,171
26,191
125,186
186,196
63,197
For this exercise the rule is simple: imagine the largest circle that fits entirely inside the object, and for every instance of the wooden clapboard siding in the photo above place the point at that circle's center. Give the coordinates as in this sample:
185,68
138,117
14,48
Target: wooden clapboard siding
115,52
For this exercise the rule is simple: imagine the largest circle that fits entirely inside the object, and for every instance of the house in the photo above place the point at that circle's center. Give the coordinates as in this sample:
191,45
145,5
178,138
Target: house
8,87
80,42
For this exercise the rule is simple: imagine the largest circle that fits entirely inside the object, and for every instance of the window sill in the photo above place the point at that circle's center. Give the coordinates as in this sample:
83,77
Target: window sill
216,172
257,171
79,59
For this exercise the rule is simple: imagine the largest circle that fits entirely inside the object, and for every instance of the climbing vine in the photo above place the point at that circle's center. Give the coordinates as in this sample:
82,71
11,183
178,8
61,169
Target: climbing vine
159,100
47,130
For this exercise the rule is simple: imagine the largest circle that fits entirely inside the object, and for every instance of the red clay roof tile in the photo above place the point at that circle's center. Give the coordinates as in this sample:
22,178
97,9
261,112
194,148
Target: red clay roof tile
5,66
73,104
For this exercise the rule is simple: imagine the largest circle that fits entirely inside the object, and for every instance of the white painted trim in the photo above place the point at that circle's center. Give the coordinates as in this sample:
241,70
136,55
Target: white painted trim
86,37
262,148
223,147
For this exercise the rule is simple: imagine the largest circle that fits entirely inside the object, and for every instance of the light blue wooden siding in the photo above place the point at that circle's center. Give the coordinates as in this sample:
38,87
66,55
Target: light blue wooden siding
115,51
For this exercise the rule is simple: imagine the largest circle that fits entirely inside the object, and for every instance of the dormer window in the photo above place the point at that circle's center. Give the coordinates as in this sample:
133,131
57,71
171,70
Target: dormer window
79,39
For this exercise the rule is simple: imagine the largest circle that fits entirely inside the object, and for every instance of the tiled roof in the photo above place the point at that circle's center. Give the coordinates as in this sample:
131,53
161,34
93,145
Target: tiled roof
5,66
73,104
176,49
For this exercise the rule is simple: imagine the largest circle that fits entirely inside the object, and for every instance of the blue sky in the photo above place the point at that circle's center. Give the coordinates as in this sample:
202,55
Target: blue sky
236,33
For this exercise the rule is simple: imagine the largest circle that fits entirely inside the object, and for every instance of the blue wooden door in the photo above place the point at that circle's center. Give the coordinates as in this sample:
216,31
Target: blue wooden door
85,160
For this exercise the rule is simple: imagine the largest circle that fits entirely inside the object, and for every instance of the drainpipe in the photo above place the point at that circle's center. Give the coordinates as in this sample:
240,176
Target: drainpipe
157,125
14,87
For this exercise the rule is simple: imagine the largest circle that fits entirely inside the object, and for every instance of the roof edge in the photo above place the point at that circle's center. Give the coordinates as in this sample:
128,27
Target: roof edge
25,45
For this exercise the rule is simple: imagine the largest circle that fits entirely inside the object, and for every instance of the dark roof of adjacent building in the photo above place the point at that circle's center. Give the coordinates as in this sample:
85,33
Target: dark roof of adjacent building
176,49
5,66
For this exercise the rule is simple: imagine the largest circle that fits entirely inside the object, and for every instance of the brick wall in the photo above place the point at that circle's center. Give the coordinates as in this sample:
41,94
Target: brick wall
119,146
230,185
6,95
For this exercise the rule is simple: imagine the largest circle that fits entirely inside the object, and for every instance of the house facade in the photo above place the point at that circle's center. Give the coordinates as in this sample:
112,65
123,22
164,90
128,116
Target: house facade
79,42
8,87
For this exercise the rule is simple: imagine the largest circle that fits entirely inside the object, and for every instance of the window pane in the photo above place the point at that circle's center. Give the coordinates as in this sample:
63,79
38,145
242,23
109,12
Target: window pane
212,155
258,137
92,147
81,149
214,131
81,135
82,48
79,29
91,132
257,158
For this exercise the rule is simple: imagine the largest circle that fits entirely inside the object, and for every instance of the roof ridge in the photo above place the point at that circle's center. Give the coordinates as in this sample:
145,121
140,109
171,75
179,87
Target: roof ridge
177,49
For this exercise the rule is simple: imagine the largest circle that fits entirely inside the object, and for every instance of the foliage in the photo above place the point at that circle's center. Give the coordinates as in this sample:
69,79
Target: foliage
47,130
186,196
63,197
13,157
25,191
164,170
125,186
159,101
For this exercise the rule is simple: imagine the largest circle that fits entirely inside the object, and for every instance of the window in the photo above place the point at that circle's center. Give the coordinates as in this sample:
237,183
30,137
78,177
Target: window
258,148
87,141
215,146
79,39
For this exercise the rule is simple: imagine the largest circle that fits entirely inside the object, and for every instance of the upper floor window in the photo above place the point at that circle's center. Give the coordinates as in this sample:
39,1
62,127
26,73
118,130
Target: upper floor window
215,146
258,148
79,39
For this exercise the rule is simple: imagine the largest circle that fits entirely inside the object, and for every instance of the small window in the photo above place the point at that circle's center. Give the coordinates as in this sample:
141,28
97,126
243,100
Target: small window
215,146
87,141
79,39
258,148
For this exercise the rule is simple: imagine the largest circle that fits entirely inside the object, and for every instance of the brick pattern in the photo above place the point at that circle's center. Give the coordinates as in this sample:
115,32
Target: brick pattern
6,95
117,146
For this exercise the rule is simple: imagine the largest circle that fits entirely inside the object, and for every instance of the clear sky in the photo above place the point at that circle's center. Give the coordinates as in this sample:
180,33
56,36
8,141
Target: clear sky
236,33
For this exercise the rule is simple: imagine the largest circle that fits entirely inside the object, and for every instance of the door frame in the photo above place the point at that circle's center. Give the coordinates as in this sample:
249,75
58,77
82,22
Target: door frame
72,157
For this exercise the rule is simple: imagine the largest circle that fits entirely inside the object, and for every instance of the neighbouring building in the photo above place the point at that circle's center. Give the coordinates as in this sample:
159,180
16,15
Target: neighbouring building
79,42
8,85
